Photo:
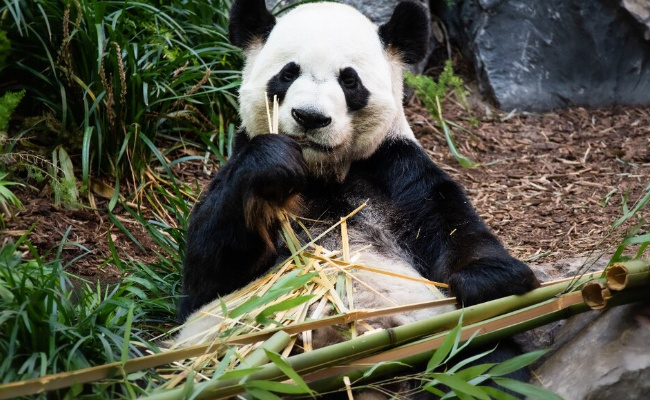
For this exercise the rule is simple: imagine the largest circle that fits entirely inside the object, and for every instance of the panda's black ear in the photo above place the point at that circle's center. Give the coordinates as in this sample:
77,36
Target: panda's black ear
249,21
407,31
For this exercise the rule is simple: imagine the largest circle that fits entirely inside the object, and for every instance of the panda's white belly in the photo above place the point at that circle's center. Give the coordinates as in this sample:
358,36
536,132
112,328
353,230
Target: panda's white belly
375,290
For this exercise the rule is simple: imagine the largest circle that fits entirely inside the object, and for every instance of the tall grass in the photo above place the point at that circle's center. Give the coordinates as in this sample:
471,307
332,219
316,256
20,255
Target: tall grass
102,75
51,322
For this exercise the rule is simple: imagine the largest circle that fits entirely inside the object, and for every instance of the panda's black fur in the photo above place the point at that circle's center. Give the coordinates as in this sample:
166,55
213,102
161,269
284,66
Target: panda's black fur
415,214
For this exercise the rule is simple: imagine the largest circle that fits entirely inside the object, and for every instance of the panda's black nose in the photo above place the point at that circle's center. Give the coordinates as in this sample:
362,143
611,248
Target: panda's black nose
310,119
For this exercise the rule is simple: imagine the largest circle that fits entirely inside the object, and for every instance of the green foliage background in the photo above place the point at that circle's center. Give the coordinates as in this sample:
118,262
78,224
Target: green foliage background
102,75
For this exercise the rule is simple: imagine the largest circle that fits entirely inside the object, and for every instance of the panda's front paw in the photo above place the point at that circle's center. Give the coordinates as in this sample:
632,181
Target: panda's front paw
491,278
275,168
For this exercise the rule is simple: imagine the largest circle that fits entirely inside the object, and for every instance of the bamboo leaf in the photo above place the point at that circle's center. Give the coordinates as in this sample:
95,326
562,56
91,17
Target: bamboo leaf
277,387
286,284
262,394
281,306
458,349
287,370
527,389
372,370
497,394
471,359
445,348
434,390
474,371
637,239
460,386
516,363
238,373
464,161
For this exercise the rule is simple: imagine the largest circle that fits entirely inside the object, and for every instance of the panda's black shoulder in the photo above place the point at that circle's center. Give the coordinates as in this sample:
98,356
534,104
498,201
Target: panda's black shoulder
400,160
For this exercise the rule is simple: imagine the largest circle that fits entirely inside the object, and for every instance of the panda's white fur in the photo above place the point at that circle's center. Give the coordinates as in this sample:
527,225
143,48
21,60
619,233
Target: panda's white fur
324,38
350,143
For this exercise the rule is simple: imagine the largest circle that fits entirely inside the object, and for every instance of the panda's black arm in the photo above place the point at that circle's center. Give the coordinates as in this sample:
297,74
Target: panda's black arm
441,229
233,230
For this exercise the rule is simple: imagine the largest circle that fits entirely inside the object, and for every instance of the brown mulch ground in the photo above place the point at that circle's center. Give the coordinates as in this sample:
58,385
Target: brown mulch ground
550,185
86,245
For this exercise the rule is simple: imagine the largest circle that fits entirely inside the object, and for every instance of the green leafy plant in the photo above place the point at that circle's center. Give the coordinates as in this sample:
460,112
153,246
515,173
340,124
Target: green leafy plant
5,48
635,235
8,103
111,73
466,379
432,95
51,321
7,197
63,181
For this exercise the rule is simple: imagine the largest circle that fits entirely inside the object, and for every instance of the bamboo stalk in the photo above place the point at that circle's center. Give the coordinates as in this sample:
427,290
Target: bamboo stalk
116,369
258,357
366,345
332,379
380,341
596,294
619,275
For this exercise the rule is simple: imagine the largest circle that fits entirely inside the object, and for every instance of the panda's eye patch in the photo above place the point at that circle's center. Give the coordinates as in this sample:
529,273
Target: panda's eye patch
349,78
356,95
289,72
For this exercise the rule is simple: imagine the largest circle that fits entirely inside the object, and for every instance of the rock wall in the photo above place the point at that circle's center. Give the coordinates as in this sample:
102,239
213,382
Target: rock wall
539,55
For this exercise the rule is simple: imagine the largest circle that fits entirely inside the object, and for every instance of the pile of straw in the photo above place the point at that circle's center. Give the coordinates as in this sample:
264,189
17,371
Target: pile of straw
313,289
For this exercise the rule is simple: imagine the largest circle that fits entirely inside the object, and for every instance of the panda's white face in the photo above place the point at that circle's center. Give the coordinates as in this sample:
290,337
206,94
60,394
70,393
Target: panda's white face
338,88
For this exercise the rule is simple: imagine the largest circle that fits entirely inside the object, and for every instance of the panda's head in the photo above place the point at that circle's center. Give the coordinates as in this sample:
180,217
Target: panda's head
337,76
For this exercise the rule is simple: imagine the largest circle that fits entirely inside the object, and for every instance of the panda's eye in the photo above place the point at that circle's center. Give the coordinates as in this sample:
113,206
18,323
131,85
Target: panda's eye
350,83
349,79
290,72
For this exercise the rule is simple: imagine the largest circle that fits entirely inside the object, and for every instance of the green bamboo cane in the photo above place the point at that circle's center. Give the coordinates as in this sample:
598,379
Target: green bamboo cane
66,379
345,352
395,336
401,365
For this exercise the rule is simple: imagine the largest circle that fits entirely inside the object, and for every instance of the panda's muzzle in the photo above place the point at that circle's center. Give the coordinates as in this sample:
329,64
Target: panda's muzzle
309,119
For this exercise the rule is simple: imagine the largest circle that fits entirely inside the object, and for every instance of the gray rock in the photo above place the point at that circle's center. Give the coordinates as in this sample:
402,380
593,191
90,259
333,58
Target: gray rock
379,11
601,356
539,55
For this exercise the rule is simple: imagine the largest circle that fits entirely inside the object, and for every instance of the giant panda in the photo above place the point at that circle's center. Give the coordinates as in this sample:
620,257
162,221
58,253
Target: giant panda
344,140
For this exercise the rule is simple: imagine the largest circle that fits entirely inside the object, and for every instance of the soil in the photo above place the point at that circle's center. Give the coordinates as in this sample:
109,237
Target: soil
550,185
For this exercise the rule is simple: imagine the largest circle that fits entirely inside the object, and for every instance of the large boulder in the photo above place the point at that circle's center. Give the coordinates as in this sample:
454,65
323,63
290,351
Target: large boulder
601,356
539,55
379,11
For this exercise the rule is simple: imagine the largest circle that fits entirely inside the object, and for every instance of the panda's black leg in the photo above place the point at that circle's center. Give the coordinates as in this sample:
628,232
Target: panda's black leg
445,235
234,230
